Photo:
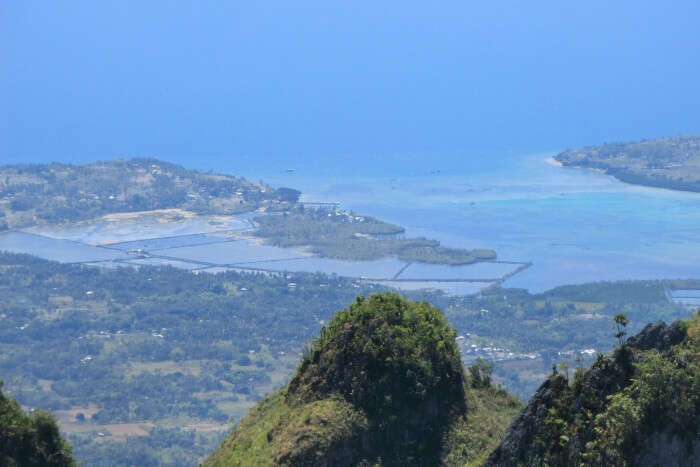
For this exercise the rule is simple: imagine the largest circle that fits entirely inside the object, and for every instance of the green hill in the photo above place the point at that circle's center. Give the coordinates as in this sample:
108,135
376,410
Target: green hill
638,406
383,384
30,440
54,193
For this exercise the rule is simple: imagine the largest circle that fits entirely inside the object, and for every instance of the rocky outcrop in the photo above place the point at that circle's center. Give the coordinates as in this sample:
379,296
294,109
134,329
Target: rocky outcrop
521,438
638,406
658,336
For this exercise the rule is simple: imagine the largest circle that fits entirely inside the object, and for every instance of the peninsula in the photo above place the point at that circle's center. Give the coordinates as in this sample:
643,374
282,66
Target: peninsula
670,162
56,193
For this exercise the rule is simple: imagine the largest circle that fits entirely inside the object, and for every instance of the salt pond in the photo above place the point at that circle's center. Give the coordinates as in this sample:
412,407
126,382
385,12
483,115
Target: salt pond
65,251
127,227
155,244
484,270
381,269
217,252
689,298
162,262
233,252
219,243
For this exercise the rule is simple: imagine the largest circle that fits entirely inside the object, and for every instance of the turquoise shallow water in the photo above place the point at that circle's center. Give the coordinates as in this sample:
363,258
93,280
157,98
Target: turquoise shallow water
574,225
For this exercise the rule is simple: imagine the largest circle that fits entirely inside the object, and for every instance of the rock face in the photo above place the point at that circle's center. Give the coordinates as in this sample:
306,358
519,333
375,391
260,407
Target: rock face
640,406
520,441
658,336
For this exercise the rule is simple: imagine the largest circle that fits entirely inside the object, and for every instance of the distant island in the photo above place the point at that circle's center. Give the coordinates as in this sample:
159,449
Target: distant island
671,162
64,193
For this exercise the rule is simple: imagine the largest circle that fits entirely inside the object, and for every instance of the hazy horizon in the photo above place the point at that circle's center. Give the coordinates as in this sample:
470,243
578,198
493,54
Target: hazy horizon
384,85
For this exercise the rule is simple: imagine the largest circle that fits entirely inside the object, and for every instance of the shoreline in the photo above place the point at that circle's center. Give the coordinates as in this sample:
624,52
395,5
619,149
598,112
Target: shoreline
552,161
616,177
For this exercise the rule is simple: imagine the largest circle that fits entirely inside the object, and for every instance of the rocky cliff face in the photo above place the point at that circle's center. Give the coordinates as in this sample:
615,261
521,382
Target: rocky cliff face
639,406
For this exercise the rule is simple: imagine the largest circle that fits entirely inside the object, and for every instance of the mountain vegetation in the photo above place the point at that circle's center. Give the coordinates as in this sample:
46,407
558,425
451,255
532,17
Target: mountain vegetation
671,162
383,384
165,358
30,440
638,406
159,356
380,386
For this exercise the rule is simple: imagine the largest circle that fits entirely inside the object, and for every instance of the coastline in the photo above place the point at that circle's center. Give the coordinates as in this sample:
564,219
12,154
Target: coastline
552,161
648,183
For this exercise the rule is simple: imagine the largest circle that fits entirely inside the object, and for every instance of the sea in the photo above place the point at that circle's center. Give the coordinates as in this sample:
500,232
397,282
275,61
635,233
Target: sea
574,225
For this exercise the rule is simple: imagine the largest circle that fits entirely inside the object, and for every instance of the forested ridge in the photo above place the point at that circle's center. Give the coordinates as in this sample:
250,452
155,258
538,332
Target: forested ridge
639,405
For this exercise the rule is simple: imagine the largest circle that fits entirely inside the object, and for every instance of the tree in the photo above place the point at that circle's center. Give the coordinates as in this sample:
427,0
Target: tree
564,365
30,440
621,321
580,369
288,194
480,372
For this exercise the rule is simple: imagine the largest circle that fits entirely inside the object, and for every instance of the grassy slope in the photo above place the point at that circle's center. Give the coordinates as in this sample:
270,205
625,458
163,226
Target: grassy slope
294,429
379,385
472,438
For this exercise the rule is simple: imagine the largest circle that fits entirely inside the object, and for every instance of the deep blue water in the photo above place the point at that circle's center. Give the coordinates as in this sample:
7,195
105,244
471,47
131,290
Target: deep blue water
330,88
